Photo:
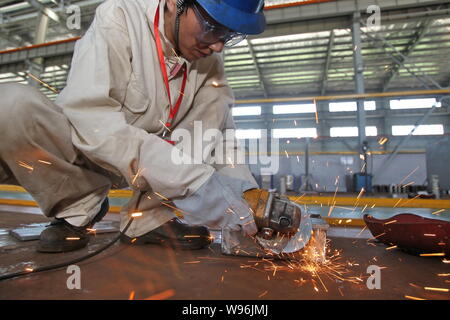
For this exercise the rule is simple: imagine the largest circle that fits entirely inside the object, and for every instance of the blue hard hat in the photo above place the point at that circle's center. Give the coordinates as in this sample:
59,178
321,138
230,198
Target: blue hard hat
244,16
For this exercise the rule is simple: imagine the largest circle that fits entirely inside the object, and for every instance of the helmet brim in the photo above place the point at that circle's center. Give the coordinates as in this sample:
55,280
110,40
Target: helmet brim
233,19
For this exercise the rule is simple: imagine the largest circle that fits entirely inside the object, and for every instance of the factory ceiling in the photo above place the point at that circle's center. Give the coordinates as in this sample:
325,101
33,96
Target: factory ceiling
306,50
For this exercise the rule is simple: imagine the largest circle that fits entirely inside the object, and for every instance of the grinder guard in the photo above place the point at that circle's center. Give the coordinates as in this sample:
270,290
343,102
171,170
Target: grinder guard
282,226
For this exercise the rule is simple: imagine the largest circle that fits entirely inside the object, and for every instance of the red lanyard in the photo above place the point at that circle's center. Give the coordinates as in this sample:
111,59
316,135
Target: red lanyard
173,110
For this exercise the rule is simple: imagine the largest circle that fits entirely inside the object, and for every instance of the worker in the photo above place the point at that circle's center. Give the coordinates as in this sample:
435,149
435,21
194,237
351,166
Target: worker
143,69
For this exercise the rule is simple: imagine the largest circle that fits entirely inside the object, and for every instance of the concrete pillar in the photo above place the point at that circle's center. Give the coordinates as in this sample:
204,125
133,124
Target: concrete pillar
322,126
358,64
36,66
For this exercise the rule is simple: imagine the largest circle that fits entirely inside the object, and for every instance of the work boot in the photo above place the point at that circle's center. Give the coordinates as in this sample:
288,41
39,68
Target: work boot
61,236
175,234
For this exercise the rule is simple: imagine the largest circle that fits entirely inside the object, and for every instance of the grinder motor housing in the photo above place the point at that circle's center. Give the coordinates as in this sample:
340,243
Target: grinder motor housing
273,214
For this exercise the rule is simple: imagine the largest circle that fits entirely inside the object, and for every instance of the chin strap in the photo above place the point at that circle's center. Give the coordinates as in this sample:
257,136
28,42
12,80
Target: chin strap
181,5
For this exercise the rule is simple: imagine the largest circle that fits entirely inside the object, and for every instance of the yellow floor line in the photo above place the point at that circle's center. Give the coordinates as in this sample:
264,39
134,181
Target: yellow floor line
116,209
339,222
314,200
112,193
30,203
372,202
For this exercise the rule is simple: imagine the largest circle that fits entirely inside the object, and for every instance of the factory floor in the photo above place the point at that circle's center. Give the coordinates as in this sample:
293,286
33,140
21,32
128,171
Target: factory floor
154,272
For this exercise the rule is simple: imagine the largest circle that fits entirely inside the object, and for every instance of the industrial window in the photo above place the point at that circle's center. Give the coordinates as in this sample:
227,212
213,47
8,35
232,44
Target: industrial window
413,103
246,111
295,133
294,108
9,77
248,134
351,106
424,130
352,131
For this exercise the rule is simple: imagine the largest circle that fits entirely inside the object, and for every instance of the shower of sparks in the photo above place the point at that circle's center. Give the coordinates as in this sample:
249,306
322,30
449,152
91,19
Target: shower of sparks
160,195
263,294
231,162
162,295
298,198
317,113
432,254
331,209
404,204
361,193
364,209
139,172
409,175
72,238
398,202
414,298
438,212
45,162
415,286
390,248
136,214
318,261
176,55
381,234
175,208
333,201
365,227
89,230
408,184
42,82
382,141
25,165
437,289
167,128
363,167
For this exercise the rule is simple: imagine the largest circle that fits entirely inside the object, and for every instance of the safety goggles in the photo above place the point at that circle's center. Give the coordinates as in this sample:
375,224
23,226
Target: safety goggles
213,33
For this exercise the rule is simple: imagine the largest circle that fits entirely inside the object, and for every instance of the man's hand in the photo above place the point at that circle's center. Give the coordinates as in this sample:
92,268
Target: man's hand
243,217
218,203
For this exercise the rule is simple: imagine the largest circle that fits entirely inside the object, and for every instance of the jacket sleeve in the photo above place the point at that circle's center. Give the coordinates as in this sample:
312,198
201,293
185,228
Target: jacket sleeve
217,96
93,99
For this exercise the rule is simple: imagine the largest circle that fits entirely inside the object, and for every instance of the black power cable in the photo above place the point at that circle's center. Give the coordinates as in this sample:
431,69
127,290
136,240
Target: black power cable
90,255
68,263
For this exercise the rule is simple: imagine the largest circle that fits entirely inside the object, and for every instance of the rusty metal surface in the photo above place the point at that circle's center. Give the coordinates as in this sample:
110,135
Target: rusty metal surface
157,272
